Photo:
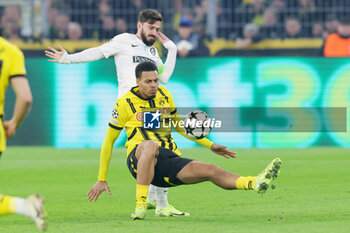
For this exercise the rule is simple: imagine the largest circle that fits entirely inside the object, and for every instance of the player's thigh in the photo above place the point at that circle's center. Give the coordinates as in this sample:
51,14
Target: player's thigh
168,165
196,172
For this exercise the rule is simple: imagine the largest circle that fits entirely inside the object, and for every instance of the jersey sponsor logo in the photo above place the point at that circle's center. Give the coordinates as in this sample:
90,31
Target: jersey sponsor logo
139,59
152,51
151,120
115,113
139,116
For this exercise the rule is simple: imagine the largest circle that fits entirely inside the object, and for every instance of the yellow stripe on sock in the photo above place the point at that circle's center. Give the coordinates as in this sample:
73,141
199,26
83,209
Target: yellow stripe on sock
141,195
245,182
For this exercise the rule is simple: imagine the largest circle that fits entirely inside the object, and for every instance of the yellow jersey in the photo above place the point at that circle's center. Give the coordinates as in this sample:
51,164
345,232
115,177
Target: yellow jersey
11,65
129,112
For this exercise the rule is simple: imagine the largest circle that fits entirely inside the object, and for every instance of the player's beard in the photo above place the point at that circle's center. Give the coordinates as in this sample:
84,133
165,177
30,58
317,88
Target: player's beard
144,39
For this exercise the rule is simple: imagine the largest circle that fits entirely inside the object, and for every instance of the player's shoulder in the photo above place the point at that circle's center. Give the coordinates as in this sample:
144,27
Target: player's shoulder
124,37
9,48
164,90
125,98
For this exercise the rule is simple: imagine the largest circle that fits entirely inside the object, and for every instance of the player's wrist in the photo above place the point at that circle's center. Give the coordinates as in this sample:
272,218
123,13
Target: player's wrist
65,58
170,45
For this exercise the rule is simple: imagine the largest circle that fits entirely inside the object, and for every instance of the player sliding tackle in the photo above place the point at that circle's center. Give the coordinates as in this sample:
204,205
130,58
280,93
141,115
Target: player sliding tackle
152,155
128,51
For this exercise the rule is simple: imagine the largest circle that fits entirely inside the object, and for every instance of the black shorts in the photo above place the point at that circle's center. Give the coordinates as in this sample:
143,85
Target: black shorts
166,169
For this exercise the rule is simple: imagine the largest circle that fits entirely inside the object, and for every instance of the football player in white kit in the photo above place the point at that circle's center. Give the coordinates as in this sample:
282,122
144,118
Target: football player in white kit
128,51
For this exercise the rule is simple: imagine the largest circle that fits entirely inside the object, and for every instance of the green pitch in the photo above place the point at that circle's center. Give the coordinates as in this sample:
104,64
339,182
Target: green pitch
312,193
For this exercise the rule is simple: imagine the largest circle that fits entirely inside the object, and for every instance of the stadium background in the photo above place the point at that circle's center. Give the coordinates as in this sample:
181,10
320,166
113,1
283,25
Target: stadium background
72,103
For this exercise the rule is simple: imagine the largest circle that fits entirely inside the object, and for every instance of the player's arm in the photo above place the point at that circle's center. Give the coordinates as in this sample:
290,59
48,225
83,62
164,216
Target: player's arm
218,149
61,55
119,117
20,85
23,103
110,48
105,158
166,70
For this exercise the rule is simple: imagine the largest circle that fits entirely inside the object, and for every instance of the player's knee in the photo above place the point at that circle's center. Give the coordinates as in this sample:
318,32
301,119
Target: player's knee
149,148
213,170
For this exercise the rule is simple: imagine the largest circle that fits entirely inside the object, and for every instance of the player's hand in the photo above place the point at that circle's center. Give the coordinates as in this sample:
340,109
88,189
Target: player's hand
10,128
55,54
162,38
222,150
97,189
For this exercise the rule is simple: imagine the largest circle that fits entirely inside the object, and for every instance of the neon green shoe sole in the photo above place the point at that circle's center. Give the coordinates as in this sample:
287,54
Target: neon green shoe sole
170,211
265,178
139,213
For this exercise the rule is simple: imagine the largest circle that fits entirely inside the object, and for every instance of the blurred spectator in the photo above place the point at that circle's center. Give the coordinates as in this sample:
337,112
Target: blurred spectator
338,44
108,28
10,29
104,9
251,35
52,14
292,28
60,28
253,12
121,26
12,12
331,25
189,43
317,30
74,31
270,29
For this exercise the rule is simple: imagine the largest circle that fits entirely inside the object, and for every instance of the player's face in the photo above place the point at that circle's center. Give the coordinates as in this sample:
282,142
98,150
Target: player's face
149,31
148,84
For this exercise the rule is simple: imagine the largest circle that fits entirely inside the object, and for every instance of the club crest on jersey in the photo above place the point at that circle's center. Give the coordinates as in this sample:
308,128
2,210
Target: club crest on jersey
152,51
115,113
161,102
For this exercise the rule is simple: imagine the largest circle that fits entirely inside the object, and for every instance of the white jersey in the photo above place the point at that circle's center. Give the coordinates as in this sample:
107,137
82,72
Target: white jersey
128,51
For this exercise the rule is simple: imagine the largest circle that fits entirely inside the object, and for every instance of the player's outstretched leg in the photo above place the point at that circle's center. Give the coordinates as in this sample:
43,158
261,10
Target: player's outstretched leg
270,173
32,207
35,210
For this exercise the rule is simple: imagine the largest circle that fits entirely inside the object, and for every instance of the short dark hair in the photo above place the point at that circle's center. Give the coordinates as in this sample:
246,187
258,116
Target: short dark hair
145,66
150,16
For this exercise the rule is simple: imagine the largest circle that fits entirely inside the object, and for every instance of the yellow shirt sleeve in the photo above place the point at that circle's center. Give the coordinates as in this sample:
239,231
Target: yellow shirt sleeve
17,67
119,117
176,117
106,152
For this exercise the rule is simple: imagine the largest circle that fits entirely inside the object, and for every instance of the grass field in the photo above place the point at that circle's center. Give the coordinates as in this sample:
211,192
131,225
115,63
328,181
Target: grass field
312,193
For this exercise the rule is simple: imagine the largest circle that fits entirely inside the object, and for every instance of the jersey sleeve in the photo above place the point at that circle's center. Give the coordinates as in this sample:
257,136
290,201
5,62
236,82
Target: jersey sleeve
120,115
114,46
17,67
176,117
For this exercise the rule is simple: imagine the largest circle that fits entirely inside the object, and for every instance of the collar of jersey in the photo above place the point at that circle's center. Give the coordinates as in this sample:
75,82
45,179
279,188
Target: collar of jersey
134,91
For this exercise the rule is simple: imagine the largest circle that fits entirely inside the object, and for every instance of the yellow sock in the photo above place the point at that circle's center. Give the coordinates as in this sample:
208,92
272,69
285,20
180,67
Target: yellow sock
141,195
7,205
245,182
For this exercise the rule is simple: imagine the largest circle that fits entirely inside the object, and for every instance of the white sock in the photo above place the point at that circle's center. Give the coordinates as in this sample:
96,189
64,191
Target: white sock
162,197
152,196
21,206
